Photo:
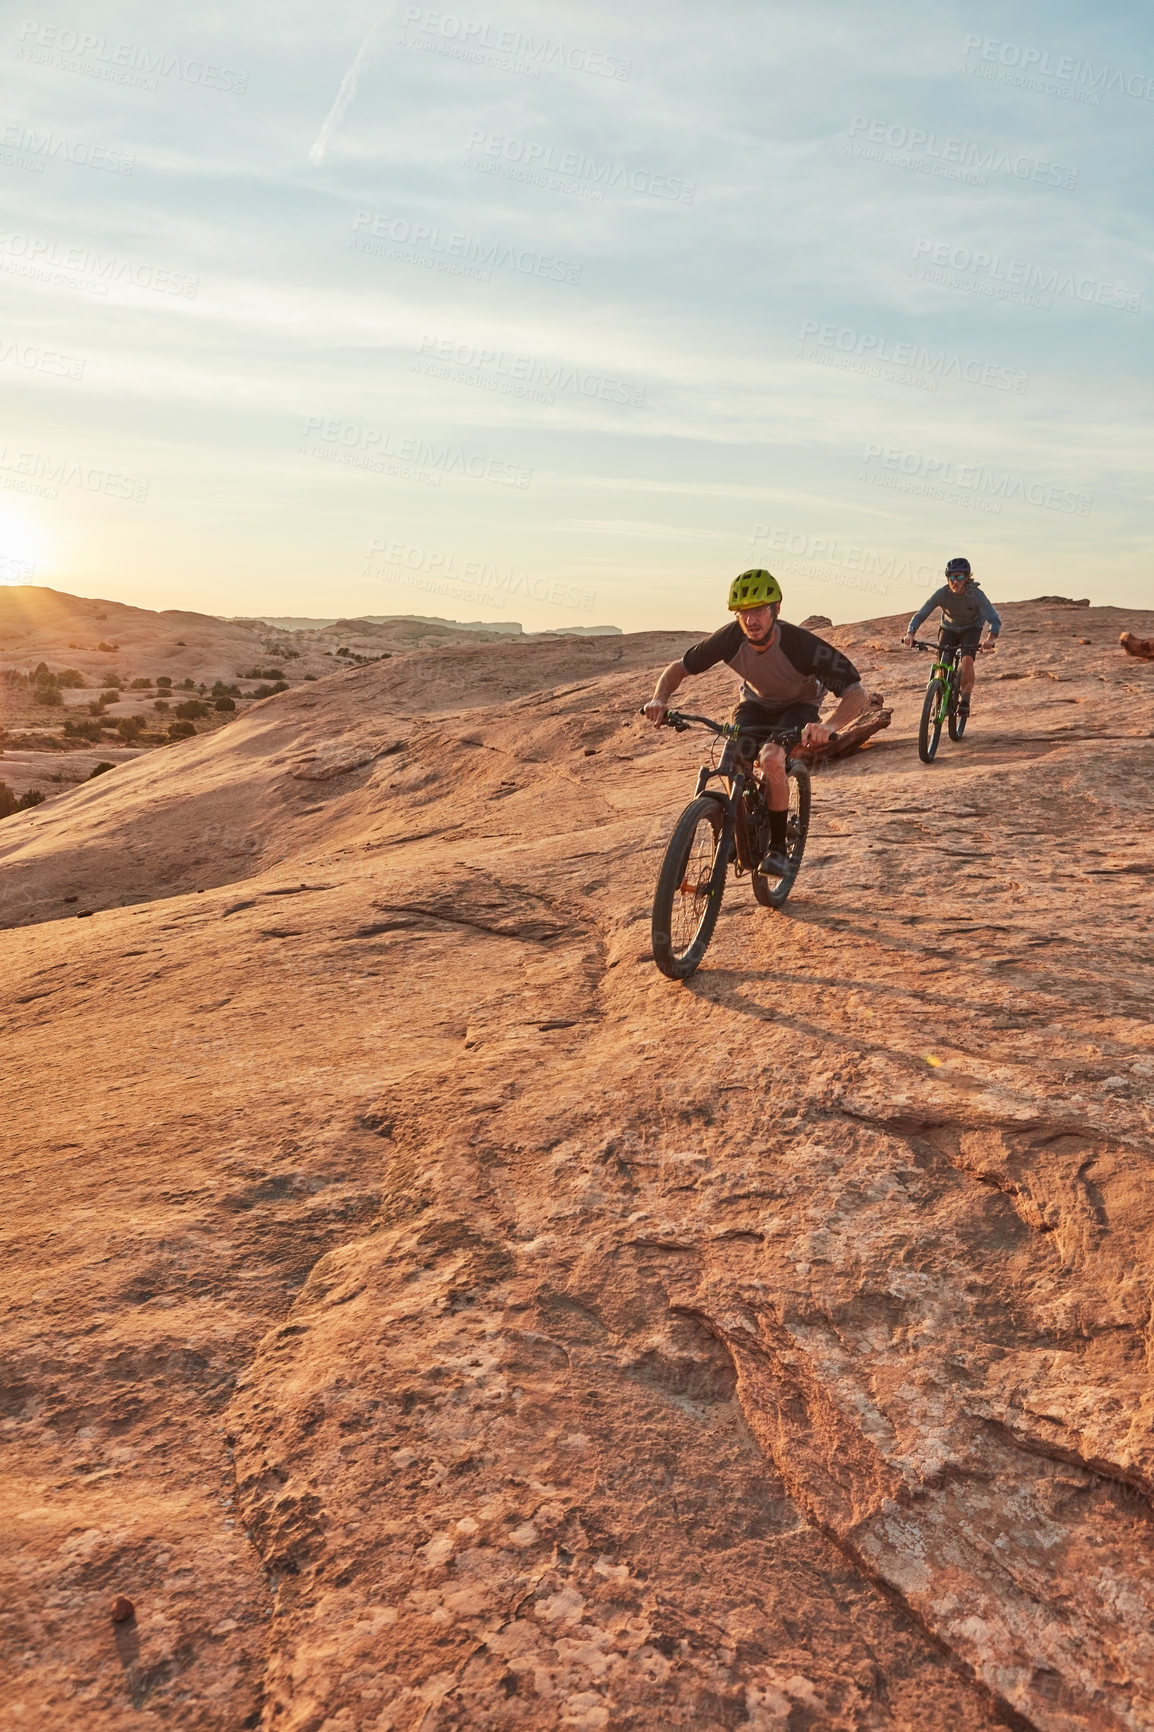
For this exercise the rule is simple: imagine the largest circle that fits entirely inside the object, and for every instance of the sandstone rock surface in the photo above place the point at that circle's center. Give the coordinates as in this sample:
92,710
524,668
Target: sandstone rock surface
424,1315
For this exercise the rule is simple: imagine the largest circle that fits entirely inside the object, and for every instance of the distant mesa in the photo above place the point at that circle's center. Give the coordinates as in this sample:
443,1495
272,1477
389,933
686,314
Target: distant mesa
815,622
1062,600
509,628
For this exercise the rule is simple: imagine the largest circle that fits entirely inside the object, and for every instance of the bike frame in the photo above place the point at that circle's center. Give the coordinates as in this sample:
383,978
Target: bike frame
948,669
729,770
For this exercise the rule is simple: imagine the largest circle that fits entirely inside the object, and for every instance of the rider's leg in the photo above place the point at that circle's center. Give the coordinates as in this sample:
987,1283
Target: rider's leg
967,675
771,763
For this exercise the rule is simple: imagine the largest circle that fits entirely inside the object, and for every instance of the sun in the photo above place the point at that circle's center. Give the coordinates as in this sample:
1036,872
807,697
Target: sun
23,546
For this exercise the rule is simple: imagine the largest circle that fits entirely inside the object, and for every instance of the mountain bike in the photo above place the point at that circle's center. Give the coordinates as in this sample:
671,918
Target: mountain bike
943,692
723,826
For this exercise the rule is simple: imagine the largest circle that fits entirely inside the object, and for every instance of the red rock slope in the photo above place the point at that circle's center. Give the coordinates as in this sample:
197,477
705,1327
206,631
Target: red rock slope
428,1316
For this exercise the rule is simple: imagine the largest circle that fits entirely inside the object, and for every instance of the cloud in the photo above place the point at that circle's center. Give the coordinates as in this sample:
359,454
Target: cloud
345,95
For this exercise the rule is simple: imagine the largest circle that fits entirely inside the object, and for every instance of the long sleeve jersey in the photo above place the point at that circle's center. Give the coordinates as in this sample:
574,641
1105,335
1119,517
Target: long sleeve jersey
958,611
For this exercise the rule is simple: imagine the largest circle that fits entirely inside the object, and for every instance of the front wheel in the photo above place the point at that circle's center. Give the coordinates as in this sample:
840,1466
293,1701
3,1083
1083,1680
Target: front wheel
930,727
690,886
772,892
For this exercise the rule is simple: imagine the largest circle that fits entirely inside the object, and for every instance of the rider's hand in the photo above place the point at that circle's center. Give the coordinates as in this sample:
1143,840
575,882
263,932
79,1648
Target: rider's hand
908,640
990,647
655,711
813,734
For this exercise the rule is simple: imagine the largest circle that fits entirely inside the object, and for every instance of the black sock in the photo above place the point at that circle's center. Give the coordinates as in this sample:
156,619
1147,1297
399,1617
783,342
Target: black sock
777,824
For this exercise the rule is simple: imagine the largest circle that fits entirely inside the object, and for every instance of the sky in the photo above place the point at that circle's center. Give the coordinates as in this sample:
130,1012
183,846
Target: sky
567,314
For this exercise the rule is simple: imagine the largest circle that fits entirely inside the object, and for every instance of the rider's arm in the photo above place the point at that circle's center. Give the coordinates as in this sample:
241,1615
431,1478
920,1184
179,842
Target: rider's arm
669,682
989,614
720,646
853,702
924,613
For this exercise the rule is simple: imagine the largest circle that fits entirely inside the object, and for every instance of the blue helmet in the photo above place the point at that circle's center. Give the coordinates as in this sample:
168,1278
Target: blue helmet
958,568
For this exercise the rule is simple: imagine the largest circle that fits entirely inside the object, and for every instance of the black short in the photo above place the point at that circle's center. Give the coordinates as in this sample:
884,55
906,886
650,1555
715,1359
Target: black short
966,637
761,719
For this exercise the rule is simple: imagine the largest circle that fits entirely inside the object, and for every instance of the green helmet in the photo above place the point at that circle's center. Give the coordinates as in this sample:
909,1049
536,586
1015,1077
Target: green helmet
753,589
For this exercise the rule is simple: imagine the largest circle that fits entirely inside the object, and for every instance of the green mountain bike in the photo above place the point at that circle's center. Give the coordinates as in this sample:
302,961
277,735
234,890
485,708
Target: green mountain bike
941,707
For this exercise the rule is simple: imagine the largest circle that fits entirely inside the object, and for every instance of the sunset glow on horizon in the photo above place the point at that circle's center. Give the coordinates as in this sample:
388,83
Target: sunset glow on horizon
565,314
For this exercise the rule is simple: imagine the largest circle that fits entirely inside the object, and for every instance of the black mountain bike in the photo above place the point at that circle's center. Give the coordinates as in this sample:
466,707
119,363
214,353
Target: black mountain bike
943,695
723,825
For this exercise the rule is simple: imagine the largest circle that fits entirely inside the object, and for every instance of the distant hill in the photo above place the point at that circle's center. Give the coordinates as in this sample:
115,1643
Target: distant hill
512,628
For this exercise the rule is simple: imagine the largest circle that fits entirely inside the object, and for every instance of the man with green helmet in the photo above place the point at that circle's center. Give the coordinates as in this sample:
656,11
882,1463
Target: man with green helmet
785,672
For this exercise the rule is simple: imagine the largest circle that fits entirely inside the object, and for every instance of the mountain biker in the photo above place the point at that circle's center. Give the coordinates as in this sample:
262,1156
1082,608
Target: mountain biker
785,672
964,608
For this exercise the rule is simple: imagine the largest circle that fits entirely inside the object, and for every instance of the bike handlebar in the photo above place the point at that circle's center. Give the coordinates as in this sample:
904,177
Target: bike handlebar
933,647
680,720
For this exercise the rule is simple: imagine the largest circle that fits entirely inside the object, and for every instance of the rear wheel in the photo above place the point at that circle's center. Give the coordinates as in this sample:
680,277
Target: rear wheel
690,886
772,892
958,718
930,727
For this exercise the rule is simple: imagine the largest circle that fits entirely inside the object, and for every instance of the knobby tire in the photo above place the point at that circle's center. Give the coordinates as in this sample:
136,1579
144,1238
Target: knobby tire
690,886
772,892
930,726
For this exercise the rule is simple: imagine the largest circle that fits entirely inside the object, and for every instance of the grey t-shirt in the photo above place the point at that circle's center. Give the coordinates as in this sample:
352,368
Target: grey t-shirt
797,668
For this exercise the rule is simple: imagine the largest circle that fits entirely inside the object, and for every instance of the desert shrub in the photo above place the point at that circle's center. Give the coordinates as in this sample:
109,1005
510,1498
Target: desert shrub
164,680
220,690
9,803
110,697
310,676
181,730
99,769
161,704
71,679
129,729
112,680
261,674
109,649
186,686
225,704
79,729
45,692
140,686
191,710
